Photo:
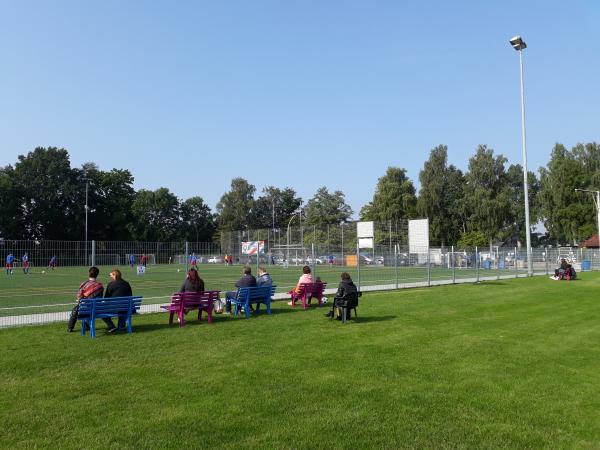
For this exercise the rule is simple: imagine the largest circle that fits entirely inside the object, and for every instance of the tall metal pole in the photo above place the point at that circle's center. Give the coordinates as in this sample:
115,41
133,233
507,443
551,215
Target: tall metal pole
525,188
86,211
598,215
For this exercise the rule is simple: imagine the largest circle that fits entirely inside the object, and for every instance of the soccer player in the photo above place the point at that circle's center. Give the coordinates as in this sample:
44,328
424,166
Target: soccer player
25,260
10,259
52,263
131,260
143,260
194,261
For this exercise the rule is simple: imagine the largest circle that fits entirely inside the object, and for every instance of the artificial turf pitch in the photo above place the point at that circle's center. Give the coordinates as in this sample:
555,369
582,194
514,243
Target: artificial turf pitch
503,364
39,292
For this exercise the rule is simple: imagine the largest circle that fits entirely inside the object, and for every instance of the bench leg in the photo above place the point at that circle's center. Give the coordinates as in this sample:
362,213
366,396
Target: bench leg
83,323
247,310
209,313
181,317
129,326
93,329
268,305
344,312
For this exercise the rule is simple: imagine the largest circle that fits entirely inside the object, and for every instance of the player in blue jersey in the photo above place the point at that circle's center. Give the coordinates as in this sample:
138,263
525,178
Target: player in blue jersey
132,260
52,263
194,261
10,260
25,260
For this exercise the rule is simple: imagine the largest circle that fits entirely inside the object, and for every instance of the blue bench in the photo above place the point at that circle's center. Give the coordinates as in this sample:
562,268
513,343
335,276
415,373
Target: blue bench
247,296
91,309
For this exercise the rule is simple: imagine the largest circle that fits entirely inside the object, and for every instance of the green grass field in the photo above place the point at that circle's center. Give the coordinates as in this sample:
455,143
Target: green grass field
502,364
38,292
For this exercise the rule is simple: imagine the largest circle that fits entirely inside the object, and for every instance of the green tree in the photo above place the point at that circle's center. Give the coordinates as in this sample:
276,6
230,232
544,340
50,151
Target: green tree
565,212
514,226
472,239
326,207
275,203
486,201
110,197
394,198
156,216
9,206
234,208
441,190
198,223
48,193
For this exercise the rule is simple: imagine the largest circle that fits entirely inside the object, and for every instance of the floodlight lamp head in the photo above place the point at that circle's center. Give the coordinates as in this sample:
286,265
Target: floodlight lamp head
517,43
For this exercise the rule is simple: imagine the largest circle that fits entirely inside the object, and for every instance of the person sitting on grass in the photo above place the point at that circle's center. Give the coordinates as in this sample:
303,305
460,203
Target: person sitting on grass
247,280
306,277
560,273
88,289
118,287
346,295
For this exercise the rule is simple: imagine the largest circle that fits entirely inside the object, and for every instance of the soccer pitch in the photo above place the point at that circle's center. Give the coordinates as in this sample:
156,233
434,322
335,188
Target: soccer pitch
501,364
54,290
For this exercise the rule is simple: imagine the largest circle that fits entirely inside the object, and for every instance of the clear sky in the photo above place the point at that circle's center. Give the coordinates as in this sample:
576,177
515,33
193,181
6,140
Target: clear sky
188,95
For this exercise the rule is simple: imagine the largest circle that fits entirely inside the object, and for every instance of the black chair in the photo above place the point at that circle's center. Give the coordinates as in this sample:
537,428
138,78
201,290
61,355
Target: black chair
346,303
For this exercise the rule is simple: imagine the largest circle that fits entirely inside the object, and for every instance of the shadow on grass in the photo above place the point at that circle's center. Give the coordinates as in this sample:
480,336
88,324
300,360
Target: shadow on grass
366,319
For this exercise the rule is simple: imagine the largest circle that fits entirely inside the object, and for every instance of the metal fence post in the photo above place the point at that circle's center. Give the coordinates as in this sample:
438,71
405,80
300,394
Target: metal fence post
396,263
187,254
358,263
314,262
497,264
515,262
453,267
428,267
343,262
546,258
93,253
477,262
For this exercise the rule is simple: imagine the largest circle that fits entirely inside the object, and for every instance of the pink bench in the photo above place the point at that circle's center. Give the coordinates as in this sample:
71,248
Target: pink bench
183,302
306,291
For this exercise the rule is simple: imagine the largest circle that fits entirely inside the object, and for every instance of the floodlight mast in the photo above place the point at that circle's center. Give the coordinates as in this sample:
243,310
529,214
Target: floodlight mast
597,202
519,44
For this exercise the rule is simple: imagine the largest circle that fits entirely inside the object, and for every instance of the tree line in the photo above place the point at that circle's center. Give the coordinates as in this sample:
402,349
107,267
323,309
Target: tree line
43,197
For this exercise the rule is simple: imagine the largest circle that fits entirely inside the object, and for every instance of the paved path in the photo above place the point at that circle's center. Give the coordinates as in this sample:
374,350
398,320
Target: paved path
37,319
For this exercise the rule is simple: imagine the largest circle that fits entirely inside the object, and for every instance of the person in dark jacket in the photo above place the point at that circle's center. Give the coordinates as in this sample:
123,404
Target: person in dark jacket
247,280
346,295
192,282
118,287
264,279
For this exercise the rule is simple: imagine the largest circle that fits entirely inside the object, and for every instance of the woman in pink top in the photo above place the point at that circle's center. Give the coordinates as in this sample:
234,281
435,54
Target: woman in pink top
305,278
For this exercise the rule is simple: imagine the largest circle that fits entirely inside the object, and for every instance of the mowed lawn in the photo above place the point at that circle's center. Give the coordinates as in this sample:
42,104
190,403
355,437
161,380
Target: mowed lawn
504,364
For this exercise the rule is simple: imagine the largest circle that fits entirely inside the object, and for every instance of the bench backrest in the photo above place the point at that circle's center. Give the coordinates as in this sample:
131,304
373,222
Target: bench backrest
194,298
109,305
255,293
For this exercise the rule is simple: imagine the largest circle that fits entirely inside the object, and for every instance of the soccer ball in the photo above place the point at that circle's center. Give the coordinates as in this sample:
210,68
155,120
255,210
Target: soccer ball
324,300
43,271
178,270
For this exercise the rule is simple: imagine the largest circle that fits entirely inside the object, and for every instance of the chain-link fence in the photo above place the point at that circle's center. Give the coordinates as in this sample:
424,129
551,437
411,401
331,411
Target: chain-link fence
45,292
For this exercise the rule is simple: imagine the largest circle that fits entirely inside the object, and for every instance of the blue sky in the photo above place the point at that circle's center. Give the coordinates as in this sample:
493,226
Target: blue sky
188,95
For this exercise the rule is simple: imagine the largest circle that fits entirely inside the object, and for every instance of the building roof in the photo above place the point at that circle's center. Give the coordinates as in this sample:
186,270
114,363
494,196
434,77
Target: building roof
591,242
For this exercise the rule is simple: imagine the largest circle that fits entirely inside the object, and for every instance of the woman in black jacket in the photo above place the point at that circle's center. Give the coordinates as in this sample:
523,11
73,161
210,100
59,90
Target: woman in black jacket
346,295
